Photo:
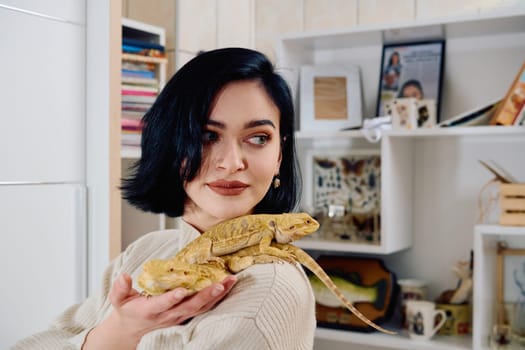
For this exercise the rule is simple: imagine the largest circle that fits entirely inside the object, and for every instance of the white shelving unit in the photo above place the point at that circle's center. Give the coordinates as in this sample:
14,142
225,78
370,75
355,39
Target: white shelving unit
431,179
134,222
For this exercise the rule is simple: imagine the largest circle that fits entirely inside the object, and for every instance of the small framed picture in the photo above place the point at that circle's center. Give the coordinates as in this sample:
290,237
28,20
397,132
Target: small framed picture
511,274
411,70
330,98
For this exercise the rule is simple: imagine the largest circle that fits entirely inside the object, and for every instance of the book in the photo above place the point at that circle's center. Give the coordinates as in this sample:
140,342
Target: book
141,44
520,119
131,124
513,101
135,107
140,81
478,116
137,73
139,98
133,115
137,93
141,88
130,139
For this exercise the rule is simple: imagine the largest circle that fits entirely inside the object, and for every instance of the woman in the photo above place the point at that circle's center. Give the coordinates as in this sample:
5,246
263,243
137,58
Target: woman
392,72
218,143
411,88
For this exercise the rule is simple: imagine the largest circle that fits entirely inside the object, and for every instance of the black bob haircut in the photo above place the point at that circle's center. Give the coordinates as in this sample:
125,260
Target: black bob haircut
171,138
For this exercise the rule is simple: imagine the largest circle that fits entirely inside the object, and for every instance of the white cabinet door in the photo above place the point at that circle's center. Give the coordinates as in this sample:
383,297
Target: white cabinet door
42,254
42,99
70,10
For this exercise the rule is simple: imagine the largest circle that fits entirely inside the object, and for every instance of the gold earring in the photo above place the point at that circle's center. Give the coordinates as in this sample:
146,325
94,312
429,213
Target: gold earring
276,182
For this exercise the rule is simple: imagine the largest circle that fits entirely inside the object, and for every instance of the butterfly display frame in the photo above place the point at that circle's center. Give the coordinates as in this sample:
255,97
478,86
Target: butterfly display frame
351,179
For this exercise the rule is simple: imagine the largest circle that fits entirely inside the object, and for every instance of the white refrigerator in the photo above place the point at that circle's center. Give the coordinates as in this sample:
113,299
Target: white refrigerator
43,248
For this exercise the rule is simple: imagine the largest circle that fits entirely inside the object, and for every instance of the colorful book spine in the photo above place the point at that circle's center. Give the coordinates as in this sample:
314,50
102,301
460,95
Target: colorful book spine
142,44
130,87
138,73
138,93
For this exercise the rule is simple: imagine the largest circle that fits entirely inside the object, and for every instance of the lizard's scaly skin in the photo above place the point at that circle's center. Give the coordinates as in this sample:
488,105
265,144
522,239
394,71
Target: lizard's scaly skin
229,237
245,231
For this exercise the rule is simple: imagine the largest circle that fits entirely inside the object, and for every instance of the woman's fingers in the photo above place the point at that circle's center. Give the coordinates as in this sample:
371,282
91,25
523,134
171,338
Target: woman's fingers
121,290
171,308
167,301
200,302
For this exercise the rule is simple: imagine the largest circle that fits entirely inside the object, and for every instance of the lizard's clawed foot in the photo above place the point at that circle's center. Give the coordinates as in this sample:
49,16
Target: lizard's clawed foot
145,294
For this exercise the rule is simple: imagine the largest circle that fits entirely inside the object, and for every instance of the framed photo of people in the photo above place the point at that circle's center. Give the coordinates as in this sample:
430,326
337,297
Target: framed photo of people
411,70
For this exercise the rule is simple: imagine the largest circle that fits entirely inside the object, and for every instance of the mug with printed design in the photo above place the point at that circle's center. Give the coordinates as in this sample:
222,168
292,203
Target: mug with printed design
424,320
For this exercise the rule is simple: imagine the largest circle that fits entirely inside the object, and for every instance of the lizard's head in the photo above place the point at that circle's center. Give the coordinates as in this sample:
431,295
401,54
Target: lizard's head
293,226
159,276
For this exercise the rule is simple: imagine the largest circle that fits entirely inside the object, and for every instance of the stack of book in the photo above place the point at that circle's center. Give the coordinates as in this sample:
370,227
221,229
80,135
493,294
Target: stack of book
140,85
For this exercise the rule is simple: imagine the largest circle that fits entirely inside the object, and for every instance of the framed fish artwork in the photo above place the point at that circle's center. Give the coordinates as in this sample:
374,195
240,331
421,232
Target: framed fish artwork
349,180
366,282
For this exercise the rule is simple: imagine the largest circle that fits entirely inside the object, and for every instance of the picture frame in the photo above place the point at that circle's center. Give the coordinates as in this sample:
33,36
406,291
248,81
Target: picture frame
510,290
330,97
510,273
349,179
413,69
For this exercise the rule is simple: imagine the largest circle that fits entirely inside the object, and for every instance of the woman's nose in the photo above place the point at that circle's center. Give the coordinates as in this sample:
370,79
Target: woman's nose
231,158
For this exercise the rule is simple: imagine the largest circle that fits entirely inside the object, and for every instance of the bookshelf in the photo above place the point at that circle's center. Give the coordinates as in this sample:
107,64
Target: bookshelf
430,178
143,76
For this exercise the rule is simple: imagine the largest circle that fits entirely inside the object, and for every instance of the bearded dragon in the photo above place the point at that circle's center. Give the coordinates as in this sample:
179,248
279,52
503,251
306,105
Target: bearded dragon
228,237
198,276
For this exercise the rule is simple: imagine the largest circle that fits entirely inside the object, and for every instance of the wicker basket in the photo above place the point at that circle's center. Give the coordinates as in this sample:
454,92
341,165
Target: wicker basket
512,204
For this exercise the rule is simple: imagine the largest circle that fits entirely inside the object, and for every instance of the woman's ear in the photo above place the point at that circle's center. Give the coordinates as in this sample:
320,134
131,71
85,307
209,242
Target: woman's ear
279,160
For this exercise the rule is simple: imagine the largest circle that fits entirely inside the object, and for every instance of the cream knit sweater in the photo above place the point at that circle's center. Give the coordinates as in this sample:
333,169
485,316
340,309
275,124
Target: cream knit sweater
270,307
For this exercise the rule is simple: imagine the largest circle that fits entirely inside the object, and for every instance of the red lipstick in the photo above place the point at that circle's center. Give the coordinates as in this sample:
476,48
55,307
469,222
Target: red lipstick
227,188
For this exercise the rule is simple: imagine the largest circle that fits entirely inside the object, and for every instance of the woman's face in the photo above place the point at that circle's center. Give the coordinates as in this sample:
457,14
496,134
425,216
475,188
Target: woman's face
395,58
412,91
241,155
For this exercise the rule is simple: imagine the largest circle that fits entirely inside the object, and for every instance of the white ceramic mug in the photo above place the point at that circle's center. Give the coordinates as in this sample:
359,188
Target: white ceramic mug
421,316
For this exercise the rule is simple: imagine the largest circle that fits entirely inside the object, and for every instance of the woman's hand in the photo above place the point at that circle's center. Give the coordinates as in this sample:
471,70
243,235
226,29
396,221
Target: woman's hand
135,315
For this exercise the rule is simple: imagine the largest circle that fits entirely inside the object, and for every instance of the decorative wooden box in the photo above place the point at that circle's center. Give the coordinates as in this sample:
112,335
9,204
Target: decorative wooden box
512,204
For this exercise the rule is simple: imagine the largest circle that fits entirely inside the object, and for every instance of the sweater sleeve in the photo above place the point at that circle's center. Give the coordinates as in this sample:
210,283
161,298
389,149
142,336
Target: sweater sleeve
272,307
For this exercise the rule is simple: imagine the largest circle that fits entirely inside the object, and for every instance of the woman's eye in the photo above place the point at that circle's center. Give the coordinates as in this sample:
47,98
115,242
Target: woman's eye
259,139
209,136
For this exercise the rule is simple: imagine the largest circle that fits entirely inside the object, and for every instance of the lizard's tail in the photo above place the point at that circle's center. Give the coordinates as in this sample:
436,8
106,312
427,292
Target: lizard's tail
308,262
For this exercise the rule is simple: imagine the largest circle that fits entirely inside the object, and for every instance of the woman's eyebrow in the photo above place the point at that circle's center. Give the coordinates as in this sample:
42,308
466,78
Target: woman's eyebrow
250,124
255,123
216,124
